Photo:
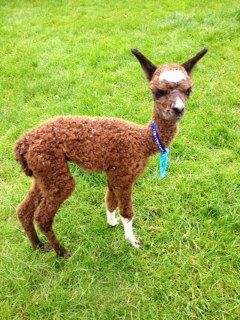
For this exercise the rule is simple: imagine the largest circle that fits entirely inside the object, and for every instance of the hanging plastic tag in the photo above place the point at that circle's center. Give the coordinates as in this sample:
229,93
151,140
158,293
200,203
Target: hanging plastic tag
164,159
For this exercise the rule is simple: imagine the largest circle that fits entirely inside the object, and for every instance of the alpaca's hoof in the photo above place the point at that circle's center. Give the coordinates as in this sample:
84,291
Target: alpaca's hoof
45,247
137,244
63,253
114,222
66,255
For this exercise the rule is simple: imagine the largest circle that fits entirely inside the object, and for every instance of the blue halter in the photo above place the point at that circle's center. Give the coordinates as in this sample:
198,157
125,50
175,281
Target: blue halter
164,156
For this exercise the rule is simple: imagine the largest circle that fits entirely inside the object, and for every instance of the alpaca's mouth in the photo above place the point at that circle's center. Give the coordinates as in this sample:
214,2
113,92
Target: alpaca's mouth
177,114
178,117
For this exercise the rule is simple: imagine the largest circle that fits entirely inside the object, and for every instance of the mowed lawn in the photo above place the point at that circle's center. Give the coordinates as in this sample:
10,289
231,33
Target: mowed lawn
73,58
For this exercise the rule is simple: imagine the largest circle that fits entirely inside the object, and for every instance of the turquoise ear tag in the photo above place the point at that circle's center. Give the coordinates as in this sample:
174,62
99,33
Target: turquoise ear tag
163,163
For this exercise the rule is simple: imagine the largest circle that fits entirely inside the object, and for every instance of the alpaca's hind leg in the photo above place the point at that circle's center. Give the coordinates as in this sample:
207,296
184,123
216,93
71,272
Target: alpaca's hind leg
111,206
124,196
26,213
56,187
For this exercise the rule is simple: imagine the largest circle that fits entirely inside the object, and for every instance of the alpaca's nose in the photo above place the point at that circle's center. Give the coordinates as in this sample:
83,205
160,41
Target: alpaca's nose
178,111
178,107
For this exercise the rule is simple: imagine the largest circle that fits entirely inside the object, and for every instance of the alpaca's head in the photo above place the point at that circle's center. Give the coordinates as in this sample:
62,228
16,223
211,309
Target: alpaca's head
171,84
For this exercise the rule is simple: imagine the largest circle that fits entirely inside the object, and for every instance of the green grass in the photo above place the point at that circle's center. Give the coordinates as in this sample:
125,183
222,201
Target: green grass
73,57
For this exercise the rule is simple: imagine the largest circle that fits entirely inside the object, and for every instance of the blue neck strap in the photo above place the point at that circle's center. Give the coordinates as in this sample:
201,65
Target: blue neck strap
164,157
156,138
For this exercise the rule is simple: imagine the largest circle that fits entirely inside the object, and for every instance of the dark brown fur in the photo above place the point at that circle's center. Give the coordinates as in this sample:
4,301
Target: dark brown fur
117,147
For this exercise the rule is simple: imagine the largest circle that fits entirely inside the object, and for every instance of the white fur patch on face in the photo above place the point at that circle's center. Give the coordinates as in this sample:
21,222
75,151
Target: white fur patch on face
174,75
129,232
111,219
179,104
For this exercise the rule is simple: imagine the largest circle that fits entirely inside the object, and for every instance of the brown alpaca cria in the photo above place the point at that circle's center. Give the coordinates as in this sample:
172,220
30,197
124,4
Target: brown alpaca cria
117,147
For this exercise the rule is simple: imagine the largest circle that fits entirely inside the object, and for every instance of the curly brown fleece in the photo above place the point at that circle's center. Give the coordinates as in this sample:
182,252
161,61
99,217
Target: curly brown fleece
117,147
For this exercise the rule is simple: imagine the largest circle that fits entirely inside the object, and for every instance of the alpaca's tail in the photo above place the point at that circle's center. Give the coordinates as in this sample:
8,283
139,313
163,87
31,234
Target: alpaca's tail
20,151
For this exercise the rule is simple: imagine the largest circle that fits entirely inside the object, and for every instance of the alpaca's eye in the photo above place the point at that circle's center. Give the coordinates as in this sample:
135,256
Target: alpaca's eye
188,92
159,93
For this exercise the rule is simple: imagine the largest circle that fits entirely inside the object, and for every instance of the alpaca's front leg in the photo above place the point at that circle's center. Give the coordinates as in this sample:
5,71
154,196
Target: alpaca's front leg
124,196
128,230
111,218
111,206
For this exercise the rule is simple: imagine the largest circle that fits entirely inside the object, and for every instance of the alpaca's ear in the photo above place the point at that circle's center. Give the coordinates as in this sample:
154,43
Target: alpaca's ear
190,64
148,67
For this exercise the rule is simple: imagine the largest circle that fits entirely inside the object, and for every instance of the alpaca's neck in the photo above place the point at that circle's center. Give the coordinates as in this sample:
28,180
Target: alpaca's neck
167,131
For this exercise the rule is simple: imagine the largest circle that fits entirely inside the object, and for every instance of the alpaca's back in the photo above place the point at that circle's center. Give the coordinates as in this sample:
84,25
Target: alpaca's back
96,144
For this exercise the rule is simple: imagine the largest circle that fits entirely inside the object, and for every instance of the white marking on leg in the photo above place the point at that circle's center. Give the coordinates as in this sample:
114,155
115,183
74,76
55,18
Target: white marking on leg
111,219
129,235
174,75
179,104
